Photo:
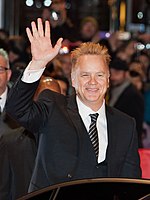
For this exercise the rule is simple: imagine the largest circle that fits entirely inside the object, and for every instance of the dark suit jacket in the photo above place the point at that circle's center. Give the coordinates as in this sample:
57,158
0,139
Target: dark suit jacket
17,157
65,152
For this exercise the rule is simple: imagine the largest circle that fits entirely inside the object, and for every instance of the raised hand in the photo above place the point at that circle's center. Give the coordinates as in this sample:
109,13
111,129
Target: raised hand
41,47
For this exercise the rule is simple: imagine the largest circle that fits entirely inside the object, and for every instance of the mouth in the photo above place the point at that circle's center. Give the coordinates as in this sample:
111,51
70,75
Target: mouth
92,89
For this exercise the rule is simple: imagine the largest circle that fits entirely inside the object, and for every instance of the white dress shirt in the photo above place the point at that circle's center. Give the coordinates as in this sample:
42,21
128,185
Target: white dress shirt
84,112
3,99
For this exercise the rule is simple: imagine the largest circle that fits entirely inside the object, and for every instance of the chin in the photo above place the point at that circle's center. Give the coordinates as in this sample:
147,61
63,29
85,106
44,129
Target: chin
92,99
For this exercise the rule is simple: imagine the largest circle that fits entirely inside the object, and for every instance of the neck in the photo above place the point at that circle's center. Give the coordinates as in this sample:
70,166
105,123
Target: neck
95,108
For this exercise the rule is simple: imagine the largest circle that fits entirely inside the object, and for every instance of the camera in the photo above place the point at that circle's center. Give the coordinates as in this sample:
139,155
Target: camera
54,15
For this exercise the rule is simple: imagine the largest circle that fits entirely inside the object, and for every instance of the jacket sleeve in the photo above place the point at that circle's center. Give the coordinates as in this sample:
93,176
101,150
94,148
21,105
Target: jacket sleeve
21,106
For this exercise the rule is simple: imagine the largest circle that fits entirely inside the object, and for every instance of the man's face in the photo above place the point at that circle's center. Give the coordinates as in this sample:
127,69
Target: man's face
88,30
117,77
145,61
4,75
91,80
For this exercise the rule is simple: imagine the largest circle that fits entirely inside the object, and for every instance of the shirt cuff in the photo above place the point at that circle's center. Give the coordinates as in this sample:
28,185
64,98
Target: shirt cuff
30,76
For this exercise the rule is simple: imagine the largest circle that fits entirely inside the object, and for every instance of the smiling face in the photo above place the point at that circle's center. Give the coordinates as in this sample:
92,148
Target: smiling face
90,79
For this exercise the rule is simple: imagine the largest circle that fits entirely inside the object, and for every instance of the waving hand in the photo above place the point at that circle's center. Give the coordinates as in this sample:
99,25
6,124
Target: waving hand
41,47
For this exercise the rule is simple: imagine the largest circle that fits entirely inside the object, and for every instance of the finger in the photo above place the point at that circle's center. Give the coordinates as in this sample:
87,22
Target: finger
29,34
40,27
47,29
58,44
34,30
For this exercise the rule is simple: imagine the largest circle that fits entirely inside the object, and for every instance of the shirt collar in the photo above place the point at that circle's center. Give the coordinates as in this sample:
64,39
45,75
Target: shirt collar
3,99
84,110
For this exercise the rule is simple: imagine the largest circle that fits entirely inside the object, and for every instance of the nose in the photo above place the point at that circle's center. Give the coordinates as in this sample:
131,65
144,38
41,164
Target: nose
92,79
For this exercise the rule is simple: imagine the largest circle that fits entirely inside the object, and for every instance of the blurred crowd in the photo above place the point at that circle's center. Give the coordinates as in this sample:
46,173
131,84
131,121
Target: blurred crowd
129,53
129,88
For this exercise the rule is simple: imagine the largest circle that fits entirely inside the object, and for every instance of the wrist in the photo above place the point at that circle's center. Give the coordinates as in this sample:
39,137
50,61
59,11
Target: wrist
37,64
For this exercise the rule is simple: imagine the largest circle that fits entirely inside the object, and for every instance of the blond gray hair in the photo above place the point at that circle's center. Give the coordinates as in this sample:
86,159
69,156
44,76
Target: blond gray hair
89,48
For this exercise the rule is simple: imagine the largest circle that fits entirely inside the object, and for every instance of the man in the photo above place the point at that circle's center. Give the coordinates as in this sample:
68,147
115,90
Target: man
11,132
124,96
5,75
65,150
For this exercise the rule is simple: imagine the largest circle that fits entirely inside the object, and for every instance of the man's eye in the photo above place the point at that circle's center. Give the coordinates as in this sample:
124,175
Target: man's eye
101,75
84,75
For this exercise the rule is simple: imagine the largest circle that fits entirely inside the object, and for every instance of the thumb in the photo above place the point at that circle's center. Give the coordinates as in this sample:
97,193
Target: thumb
58,44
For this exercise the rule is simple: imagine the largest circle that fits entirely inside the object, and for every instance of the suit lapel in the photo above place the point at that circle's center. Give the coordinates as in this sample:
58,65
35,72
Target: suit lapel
75,118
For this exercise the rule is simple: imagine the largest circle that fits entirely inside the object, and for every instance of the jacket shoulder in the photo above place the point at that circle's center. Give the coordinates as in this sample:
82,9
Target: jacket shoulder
118,114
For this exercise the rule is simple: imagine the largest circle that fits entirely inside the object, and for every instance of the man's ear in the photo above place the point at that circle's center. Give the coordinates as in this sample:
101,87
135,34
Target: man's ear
73,82
73,79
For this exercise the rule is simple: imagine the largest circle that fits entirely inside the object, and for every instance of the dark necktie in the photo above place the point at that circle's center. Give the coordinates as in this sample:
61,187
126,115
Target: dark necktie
93,133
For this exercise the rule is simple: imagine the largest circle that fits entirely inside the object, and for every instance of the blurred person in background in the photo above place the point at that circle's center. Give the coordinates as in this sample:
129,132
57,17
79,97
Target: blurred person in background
128,50
144,58
60,68
65,60
137,75
61,24
113,43
5,75
4,35
18,57
89,30
54,68
124,96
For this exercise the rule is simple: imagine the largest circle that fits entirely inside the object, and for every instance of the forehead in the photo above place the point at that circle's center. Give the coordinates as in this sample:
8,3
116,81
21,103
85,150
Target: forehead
88,23
91,63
